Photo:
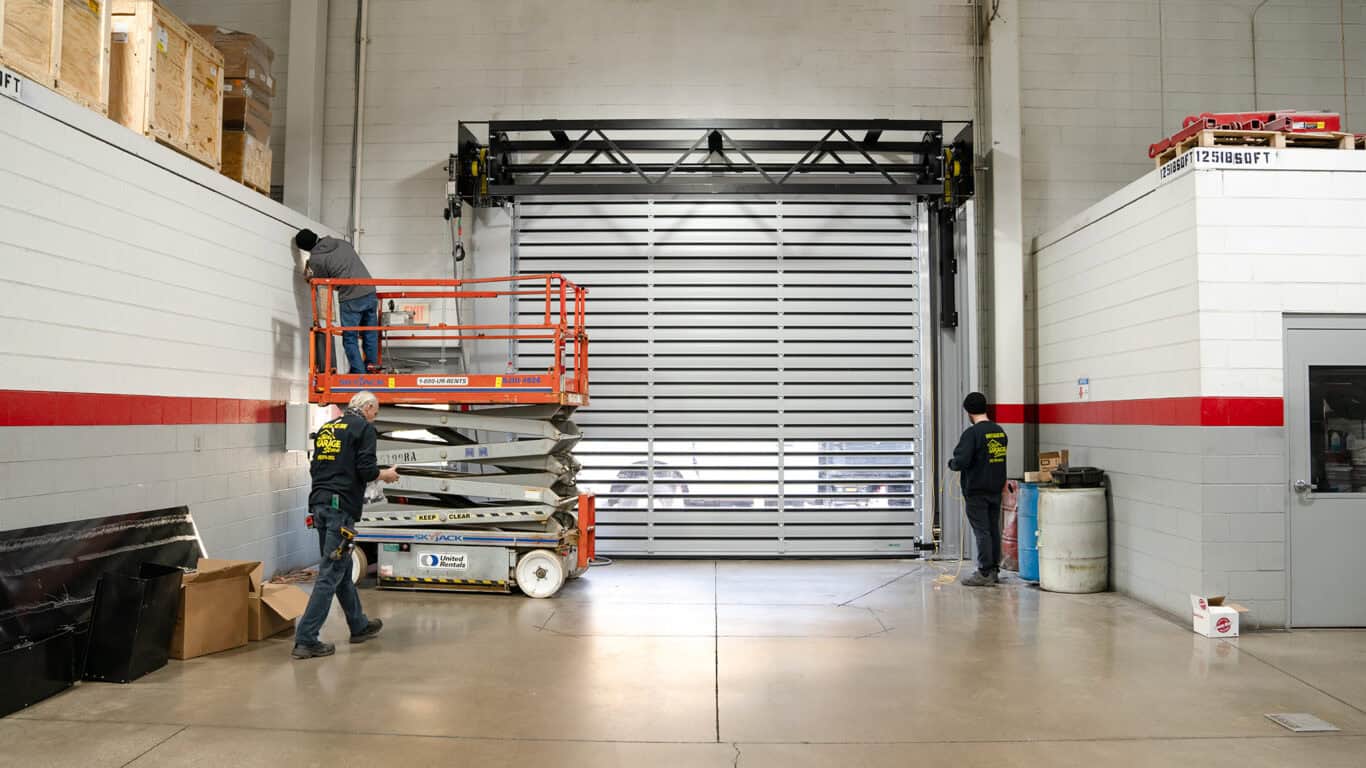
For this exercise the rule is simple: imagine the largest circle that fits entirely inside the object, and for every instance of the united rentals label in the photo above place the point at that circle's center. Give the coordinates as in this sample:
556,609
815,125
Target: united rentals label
442,381
448,561
1218,157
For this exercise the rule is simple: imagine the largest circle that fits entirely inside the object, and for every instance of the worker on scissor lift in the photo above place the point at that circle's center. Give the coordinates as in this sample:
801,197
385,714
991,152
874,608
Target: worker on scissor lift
344,462
329,257
981,458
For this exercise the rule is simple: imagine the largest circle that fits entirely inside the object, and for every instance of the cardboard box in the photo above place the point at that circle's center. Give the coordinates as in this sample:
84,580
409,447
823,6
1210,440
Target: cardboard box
1049,462
213,608
272,608
245,57
1213,617
242,88
241,113
246,160
1035,477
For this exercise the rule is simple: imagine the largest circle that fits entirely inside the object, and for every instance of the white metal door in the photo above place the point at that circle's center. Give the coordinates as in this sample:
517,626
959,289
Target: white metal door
755,371
1326,417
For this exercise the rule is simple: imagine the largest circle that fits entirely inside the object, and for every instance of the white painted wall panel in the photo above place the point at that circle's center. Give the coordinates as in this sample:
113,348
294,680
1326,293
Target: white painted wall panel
128,269
112,260
1117,301
1272,242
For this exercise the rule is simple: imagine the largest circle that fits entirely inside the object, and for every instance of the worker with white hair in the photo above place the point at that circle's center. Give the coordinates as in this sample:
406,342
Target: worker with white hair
344,463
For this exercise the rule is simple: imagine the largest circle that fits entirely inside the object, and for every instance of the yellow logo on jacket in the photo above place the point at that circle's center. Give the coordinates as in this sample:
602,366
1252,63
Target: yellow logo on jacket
996,449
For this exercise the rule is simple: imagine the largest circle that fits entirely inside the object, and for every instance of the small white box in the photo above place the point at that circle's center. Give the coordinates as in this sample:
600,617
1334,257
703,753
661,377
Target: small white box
1215,618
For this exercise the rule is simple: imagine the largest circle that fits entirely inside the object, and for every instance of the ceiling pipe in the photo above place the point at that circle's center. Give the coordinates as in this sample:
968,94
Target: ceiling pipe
358,120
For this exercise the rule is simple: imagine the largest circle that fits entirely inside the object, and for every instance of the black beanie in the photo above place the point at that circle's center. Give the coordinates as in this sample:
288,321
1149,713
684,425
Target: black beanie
306,239
975,403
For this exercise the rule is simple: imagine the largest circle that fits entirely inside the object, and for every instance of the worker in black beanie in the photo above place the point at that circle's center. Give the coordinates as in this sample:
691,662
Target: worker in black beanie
329,257
981,459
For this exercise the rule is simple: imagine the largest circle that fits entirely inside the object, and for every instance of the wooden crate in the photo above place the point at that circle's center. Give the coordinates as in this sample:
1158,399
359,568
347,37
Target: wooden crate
62,44
246,160
166,81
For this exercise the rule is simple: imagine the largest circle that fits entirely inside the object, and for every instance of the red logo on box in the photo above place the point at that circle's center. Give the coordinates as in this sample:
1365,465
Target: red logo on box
1223,625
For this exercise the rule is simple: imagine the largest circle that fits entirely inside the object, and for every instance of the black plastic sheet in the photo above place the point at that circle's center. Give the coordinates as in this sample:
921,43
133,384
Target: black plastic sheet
48,574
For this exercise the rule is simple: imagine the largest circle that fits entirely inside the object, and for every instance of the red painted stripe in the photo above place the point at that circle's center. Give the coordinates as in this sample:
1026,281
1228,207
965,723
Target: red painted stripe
1015,413
25,408
1166,412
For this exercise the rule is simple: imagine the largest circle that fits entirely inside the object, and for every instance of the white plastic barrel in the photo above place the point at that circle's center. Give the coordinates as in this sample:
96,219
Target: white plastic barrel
1074,540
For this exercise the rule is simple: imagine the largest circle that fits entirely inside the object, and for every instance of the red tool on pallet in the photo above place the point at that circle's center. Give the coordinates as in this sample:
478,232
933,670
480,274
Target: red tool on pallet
1283,120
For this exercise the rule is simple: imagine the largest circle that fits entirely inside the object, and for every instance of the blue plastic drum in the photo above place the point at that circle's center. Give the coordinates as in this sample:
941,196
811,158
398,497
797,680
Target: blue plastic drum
1027,518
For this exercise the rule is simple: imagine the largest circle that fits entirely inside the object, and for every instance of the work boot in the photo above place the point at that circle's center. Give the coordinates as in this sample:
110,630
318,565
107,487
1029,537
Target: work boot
976,579
370,631
313,651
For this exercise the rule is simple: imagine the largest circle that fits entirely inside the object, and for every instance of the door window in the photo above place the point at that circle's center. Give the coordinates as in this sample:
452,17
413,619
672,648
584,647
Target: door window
1337,428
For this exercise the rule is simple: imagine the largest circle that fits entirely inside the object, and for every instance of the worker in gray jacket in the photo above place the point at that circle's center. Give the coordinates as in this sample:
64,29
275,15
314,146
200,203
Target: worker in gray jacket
329,257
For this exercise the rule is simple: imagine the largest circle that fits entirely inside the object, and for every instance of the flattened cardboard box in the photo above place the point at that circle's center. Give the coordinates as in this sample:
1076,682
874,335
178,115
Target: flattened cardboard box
213,608
245,56
272,608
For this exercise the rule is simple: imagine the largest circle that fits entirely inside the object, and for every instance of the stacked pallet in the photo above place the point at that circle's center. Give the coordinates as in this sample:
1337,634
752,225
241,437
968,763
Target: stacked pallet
247,92
166,82
61,44
1218,137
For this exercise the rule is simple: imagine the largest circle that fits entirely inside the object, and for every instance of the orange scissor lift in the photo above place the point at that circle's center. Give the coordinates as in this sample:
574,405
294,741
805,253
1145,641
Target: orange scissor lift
487,497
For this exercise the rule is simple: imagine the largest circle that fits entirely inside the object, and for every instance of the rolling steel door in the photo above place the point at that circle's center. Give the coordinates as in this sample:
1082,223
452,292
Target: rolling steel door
755,370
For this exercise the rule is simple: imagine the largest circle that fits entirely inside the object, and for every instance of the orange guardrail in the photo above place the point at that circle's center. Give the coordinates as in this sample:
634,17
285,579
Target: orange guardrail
563,324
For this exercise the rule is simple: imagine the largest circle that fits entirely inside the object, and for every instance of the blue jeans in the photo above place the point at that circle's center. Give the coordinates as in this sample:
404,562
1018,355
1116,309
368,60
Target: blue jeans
362,311
334,578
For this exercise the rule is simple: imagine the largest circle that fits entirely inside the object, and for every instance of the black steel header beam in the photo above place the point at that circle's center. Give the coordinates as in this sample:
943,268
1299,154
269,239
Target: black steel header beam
715,188
712,157
570,126
680,145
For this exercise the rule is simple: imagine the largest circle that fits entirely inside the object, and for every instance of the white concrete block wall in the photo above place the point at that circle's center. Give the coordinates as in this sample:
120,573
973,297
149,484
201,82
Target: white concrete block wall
1116,293
246,494
268,20
1116,302
1258,244
1273,242
1156,529
127,269
1103,79
433,63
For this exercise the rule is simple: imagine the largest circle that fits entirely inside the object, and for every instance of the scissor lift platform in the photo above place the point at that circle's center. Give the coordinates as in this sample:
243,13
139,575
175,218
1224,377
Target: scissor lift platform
487,497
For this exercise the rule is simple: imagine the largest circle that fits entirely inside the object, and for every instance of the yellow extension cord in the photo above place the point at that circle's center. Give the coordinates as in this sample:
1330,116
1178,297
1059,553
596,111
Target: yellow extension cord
944,576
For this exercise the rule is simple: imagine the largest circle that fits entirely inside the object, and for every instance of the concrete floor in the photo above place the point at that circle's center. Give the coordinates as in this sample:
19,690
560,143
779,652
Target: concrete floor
732,663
